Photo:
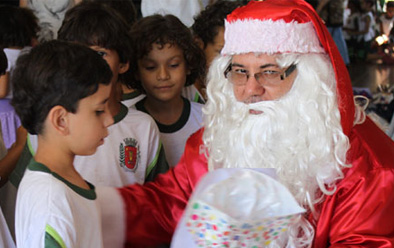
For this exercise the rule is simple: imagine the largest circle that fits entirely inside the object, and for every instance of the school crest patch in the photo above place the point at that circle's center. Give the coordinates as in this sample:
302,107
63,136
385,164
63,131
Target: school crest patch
129,154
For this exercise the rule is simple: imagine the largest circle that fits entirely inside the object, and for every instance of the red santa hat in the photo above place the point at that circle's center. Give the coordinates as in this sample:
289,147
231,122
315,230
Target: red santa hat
288,26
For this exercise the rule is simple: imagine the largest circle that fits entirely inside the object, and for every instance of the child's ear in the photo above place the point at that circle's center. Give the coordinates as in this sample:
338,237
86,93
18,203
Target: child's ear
123,67
199,42
58,119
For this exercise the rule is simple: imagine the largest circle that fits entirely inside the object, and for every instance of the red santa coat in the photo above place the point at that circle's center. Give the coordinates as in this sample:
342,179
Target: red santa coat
359,213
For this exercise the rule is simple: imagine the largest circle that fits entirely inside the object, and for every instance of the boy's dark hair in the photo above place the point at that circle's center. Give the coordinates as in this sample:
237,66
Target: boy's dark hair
55,73
207,23
18,26
3,62
168,29
94,24
390,4
31,22
125,8
356,5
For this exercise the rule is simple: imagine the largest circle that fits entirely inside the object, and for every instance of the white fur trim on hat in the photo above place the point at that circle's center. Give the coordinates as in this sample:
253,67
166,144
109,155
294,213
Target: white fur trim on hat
267,36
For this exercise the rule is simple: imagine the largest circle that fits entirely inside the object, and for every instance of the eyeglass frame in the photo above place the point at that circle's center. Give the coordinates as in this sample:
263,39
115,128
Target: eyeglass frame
283,76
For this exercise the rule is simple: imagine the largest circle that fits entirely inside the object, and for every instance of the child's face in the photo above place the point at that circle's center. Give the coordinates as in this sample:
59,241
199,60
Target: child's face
213,49
390,12
364,5
113,60
88,126
163,72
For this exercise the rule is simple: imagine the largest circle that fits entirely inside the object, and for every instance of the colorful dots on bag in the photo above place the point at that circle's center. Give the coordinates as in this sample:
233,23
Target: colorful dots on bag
217,229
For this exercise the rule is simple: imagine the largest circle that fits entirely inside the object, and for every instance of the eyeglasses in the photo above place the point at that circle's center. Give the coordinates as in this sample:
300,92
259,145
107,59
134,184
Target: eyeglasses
239,77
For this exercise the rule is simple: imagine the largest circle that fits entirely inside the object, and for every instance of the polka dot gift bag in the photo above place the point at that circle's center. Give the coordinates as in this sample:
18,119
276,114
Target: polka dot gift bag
245,208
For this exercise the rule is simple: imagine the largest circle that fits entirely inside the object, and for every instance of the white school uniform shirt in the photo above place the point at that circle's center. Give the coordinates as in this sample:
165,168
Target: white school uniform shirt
371,31
387,24
129,152
174,136
49,206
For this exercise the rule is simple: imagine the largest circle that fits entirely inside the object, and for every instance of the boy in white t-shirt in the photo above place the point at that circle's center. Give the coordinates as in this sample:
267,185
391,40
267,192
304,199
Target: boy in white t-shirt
61,93
133,152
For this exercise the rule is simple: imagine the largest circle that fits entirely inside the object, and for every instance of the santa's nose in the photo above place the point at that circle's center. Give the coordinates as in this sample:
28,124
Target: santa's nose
253,87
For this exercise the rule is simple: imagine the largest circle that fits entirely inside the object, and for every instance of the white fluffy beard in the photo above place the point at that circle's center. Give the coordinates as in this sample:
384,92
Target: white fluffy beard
299,135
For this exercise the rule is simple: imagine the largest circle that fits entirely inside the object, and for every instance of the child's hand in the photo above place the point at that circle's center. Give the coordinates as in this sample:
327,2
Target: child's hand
8,163
21,136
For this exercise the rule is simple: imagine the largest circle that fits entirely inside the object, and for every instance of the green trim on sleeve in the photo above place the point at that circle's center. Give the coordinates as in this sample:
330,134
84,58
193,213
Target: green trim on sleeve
154,162
52,238
196,98
160,166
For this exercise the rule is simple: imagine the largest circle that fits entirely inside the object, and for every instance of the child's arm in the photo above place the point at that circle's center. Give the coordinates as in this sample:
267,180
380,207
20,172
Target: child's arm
367,20
8,163
4,85
381,28
380,23
153,210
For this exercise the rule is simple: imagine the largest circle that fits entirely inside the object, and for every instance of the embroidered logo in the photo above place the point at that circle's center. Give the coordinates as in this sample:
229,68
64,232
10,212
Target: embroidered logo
129,154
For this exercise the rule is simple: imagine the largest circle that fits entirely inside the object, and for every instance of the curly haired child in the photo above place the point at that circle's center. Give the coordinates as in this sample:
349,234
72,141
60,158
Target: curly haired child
166,59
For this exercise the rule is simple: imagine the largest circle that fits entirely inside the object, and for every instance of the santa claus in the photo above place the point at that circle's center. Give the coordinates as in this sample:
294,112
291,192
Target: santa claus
279,96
